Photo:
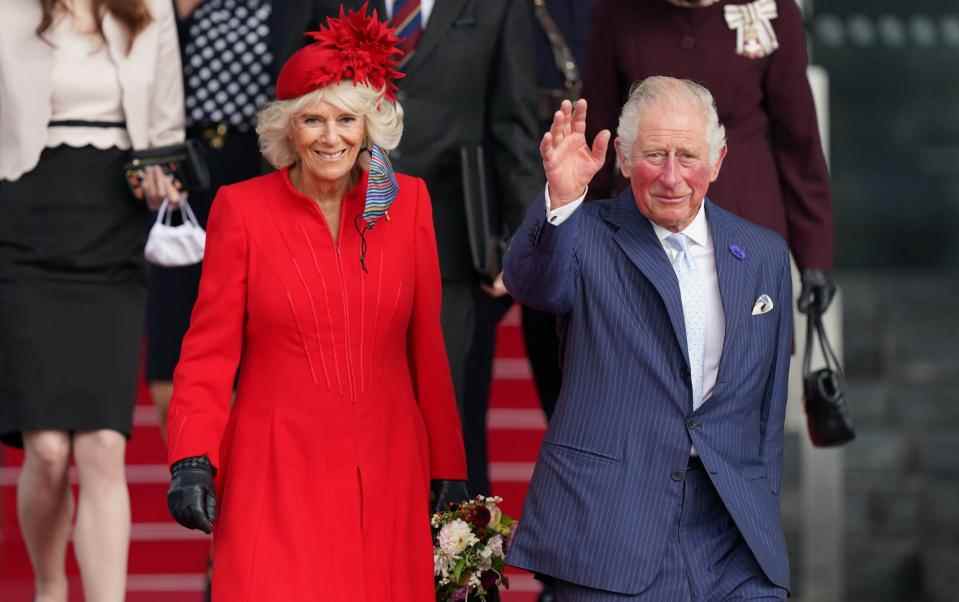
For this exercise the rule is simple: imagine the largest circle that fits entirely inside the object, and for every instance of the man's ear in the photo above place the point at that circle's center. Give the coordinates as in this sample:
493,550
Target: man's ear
719,163
621,162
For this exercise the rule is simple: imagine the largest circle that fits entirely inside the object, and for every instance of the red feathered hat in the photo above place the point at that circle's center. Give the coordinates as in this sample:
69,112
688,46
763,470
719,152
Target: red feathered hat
355,46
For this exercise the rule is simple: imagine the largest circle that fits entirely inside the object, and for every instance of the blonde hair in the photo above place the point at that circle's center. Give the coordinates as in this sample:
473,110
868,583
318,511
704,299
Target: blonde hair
383,119
658,88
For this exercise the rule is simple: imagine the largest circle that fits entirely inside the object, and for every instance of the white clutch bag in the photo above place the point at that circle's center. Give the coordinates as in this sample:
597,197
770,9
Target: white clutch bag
175,246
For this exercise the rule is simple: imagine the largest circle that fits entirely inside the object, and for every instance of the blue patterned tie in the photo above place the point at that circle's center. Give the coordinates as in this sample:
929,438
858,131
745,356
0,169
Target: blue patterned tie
694,311
409,26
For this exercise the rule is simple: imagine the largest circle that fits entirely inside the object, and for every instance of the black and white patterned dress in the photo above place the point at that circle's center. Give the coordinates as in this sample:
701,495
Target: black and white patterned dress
227,63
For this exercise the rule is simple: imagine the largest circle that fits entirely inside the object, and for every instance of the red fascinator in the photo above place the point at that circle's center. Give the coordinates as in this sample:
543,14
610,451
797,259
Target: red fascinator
354,46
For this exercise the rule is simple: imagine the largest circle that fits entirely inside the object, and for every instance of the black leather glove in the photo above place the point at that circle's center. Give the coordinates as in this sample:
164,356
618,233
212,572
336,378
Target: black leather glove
445,493
191,497
817,291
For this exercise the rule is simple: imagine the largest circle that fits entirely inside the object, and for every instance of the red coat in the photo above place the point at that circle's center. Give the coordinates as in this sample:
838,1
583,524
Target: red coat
344,406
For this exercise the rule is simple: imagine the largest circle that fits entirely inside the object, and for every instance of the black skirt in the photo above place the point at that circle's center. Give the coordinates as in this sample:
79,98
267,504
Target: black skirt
72,295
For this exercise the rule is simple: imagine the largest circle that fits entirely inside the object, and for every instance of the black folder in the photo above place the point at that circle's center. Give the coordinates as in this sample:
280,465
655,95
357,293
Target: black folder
484,225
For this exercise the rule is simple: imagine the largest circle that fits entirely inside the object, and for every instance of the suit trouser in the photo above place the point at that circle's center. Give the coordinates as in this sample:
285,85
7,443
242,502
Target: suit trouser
479,378
458,320
706,560
543,350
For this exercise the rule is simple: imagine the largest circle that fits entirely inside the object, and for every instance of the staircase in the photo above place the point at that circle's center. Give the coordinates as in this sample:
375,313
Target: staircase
167,562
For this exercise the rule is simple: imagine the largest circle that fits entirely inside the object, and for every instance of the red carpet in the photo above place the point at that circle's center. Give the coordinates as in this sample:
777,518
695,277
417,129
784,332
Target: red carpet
167,561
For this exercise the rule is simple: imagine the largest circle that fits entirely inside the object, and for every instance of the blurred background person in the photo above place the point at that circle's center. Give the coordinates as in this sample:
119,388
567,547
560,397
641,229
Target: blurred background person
231,52
559,41
469,87
752,57
323,277
81,83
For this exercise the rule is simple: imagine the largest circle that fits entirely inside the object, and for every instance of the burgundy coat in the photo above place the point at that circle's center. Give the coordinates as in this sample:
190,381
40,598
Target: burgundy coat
775,173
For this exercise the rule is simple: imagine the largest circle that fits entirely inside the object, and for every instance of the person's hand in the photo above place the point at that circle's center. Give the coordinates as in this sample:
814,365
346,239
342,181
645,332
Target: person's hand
497,289
153,185
185,8
444,493
568,160
817,292
191,497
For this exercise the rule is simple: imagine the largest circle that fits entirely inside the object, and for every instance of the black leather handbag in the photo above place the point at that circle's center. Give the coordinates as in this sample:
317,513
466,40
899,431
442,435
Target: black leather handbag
184,161
826,416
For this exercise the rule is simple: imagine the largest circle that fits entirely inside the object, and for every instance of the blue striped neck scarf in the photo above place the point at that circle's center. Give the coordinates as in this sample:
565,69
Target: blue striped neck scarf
381,187
381,191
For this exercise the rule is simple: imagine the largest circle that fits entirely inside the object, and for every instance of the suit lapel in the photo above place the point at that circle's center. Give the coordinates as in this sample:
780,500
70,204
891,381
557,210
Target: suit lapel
732,274
441,18
637,239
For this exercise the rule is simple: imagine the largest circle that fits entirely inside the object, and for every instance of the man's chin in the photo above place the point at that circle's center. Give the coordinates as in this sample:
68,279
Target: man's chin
674,219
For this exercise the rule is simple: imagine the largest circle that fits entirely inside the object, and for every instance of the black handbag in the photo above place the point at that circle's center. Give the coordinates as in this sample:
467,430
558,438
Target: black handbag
825,403
184,161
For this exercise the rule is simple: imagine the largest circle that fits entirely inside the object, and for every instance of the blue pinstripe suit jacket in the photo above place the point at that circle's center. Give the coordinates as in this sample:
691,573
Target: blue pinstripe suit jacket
605,494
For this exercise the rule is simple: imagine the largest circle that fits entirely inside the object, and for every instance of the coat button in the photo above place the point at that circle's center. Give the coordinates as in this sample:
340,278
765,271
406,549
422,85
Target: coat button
678,475
688,42
693,424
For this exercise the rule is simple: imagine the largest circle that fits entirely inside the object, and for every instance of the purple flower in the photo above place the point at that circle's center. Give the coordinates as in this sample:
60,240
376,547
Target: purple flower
480,517
488,579
460,594
737,252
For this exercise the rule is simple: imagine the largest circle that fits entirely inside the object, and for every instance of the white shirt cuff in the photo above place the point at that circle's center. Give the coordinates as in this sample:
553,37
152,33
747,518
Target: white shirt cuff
561,214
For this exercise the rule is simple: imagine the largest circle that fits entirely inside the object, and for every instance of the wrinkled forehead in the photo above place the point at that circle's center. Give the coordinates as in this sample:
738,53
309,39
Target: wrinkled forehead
673,120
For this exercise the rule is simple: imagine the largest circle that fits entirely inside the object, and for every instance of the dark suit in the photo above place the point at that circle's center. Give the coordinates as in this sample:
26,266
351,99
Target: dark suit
573,18
608,487
471,82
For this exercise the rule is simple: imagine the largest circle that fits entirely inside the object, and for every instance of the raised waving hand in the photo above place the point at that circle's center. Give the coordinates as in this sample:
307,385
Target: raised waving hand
568,160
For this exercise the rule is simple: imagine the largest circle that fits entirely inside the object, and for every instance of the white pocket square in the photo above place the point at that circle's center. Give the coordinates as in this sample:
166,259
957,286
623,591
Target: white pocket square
764,305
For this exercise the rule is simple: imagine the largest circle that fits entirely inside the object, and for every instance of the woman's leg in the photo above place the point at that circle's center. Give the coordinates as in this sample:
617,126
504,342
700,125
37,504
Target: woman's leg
101,538
45,510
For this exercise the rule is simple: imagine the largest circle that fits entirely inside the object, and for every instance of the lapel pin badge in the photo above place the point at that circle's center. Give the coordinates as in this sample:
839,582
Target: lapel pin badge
737,252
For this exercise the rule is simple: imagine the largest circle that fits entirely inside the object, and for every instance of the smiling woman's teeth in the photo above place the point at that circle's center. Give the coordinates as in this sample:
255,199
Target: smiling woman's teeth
331,156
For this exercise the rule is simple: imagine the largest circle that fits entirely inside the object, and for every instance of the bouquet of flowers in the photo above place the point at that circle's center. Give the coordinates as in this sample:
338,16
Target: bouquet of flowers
469,550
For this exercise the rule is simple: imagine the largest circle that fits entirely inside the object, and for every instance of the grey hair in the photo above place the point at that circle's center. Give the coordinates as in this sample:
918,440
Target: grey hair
659,88
383,118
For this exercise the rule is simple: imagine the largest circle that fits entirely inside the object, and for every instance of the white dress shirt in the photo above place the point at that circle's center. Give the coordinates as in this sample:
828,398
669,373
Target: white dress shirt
426,7
702,251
